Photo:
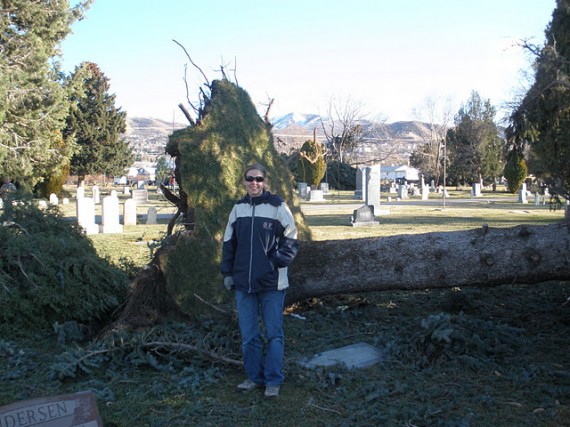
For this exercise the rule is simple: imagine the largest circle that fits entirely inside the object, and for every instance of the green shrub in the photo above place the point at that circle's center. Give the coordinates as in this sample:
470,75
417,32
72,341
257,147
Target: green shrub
341,176
50,273
311,164
515,171
53,184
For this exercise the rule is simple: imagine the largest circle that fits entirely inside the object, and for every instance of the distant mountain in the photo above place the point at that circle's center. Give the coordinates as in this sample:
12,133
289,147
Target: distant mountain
382,142
138,125
390,142
148,136
302,120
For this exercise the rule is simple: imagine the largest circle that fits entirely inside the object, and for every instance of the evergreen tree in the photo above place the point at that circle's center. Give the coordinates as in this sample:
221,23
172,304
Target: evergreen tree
33,101
312,166
474,147
541,122
210,158
515,171
97,125
162,169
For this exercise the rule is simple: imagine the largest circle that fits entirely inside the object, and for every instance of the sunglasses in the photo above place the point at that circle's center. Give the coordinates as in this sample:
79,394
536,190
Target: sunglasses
254,178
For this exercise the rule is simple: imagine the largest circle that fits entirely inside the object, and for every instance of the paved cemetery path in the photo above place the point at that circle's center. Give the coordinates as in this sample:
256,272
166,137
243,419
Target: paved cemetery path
319,206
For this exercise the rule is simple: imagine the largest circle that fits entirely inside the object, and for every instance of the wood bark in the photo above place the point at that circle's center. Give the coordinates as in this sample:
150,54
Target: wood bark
480,257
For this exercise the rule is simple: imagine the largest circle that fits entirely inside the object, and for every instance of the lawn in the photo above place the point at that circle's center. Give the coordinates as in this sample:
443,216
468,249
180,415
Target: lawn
495,356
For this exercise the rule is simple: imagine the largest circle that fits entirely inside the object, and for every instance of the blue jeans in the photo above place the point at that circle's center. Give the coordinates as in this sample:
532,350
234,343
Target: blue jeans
270,305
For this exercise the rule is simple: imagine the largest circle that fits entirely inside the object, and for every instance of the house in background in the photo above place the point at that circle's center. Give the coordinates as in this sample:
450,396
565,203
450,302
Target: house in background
399,173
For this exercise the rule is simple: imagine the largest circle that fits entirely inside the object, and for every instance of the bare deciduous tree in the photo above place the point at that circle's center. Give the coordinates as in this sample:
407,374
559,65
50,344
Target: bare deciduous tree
428,158
343,126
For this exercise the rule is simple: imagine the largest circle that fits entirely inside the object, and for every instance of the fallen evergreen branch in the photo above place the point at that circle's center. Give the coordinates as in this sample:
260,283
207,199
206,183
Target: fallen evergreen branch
162,348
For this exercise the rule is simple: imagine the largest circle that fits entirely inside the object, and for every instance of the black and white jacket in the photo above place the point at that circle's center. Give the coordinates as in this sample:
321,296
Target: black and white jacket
260,241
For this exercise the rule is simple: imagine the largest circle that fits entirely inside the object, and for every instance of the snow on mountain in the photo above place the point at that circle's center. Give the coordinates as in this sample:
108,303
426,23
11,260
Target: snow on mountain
303,120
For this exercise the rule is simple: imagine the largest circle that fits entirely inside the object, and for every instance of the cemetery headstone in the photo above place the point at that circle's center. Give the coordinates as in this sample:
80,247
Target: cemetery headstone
360,189
140,196
96,195
359,355
363,216
111,215
67,410
316,196
53,199
302,187
324,186
372,196
80,192
476,190
85,212
151,216
130,212
523,193
126,190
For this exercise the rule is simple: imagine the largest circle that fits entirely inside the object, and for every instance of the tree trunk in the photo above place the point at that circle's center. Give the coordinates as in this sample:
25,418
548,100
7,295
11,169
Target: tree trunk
479,257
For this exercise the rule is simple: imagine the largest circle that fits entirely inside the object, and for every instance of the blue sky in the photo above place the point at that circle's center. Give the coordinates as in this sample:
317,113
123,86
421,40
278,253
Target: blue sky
387,55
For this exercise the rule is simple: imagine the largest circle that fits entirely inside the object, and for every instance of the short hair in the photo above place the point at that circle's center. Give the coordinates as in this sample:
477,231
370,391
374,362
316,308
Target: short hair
255,166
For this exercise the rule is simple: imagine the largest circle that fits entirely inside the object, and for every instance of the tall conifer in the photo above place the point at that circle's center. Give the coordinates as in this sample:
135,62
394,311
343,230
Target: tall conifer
33,102
542,120
97,124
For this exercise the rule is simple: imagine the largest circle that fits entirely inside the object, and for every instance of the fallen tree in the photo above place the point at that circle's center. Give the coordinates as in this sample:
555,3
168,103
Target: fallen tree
480,257
227,135
524,254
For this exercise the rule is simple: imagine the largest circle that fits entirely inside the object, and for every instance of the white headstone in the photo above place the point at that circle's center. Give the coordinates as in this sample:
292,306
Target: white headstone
86,215
140,196
523,193
302,187
140,185
53,199
80,192
111,215
316,196
476,191
130,212
151,216
126,190
65,201
96,195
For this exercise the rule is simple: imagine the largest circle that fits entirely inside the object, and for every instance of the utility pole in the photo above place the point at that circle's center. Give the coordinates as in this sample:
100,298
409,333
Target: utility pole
444,164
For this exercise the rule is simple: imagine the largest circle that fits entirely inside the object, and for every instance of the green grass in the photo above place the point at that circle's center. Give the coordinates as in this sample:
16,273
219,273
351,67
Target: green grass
506,361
